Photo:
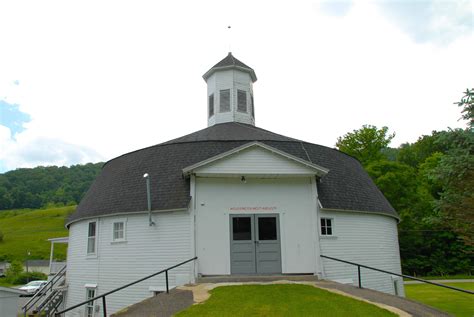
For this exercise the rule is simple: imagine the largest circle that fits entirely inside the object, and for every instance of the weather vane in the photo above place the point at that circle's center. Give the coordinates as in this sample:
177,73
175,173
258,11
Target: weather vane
230,37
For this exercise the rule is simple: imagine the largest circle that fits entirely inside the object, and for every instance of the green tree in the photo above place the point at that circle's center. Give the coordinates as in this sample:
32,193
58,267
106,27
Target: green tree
365,144
415,178
467,103
15,269
455,173
397,182
416,153
40,186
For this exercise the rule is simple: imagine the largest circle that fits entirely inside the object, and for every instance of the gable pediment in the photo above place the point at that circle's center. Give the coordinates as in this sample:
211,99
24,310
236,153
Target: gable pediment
255,159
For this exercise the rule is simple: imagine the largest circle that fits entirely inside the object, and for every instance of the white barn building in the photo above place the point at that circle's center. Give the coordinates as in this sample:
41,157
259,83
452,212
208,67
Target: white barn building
242,199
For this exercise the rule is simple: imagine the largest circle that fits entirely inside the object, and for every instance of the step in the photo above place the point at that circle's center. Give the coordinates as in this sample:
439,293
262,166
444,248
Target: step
256,278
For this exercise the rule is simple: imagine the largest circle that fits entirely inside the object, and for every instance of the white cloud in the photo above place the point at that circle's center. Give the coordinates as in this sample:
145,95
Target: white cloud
436,21
110,77
336,7
29,151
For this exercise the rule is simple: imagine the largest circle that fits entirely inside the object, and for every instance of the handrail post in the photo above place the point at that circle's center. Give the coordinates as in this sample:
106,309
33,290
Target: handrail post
167,285
104,306
358,272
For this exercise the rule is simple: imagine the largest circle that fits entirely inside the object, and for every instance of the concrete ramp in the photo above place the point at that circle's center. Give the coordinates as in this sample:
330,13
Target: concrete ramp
161,305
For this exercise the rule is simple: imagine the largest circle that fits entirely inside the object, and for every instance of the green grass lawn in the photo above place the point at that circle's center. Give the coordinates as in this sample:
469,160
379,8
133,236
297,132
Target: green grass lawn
280,300
29,230
4,283
456,303
445,277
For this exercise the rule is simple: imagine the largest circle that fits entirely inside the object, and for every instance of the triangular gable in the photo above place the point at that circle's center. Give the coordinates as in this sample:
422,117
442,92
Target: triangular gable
255,159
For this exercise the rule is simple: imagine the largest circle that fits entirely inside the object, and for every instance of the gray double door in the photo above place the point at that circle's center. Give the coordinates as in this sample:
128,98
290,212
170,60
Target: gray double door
255,244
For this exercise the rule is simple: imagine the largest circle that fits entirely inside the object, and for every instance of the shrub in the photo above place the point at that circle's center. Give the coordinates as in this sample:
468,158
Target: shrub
24,277
15,269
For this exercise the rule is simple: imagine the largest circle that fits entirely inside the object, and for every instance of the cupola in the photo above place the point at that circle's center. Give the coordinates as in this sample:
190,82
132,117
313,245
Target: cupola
229,92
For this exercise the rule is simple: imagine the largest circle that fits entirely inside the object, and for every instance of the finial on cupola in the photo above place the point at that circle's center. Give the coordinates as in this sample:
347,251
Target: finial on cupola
230,92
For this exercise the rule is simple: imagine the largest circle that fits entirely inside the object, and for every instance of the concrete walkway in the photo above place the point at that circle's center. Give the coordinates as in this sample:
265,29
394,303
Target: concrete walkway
161,305
399,305
407,305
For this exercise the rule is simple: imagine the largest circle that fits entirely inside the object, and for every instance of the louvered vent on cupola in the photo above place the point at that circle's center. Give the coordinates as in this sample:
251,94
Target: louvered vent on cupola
229,92
224,102
241,101
211,105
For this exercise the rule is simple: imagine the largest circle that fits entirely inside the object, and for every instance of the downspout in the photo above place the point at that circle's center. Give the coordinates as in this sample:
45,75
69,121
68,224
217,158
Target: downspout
148,196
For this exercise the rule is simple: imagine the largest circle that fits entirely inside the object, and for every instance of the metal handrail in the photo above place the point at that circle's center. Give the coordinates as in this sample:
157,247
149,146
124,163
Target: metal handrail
41,307
104,304
401,275
42,291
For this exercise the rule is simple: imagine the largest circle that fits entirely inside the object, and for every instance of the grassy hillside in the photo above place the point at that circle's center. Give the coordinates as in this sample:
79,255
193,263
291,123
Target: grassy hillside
29,230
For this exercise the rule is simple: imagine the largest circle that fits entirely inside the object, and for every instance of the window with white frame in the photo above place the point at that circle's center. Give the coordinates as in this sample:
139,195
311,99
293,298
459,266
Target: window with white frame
91,238
327,226
118,231
90,293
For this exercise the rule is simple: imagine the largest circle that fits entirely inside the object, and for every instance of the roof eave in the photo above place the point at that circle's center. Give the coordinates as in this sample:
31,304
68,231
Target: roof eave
211,71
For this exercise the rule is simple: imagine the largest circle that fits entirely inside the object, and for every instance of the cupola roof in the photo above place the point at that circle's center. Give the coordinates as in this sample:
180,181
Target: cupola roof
230,62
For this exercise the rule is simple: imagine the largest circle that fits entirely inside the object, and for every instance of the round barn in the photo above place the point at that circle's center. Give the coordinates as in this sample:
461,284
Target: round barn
243,200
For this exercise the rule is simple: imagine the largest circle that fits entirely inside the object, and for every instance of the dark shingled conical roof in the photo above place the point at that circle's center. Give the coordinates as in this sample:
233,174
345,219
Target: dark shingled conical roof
230,62
120,186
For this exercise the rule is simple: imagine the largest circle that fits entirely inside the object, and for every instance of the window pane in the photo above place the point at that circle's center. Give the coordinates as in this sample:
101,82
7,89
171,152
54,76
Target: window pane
241,228
225,100
323,230
91,245
267,228
329,230
241,101
328,222
118,230
90,293
211,105
91,229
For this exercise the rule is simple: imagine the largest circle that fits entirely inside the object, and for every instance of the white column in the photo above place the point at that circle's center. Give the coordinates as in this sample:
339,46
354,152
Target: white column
51,257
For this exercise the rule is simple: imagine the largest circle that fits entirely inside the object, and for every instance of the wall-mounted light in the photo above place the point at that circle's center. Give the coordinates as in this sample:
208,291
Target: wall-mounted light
243,180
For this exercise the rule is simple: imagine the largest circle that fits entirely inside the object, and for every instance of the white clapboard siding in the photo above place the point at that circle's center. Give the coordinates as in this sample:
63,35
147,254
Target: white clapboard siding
255,160
233,80
290,198
146,250
366,239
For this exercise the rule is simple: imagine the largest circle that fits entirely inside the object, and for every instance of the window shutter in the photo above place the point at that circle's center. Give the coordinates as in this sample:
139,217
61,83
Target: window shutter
225,100
241,101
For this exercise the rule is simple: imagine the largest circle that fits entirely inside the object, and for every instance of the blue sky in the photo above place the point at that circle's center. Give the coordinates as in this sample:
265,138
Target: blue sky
74,92
12,118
